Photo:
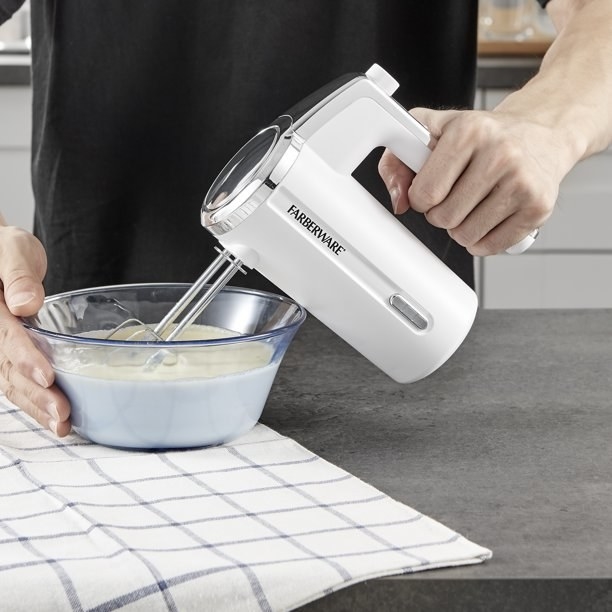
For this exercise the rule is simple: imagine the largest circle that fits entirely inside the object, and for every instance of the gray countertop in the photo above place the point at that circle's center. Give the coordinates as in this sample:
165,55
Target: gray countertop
510,72
14,69
508,443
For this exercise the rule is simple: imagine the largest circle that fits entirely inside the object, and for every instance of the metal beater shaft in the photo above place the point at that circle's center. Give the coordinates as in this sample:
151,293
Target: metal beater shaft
233,265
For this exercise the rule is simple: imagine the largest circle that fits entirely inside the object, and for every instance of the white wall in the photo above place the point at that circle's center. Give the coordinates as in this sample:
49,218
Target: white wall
16,200
570,264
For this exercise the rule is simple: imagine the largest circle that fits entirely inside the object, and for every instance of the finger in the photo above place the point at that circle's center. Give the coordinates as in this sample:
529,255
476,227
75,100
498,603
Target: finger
473,186
490,213
17,346
494,225
47,406
397,178
450,156
396,175
509,232
434,120
526,203
23,264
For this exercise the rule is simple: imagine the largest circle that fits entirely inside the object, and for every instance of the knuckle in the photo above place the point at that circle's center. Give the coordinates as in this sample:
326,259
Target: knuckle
523,182
389,166
476,126
536,205
384,171
489,244
6,370
384,164
16,351
10,392
4,333
540,209
7,340
443,216
18,240
482,250
6,386
510,153
424,197
467,235
460,236
33,394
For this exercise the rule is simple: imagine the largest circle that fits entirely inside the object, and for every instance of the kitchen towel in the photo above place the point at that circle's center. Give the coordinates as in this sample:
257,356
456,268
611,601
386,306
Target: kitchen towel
257,524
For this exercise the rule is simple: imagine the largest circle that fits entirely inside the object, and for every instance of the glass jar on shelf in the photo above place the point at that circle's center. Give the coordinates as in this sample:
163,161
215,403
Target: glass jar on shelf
507,19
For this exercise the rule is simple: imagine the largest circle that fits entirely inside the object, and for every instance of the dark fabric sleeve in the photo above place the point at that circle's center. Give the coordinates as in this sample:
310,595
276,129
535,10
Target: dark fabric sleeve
8,8
543,3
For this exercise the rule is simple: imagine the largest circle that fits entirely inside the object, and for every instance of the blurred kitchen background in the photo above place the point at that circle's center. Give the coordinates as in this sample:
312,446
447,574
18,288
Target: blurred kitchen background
570,264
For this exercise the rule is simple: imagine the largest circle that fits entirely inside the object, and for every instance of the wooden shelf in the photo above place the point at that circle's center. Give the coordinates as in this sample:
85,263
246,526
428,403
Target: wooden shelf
533,46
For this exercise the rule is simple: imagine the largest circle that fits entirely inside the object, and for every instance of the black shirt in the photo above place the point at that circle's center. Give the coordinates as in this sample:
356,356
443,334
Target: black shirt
139,103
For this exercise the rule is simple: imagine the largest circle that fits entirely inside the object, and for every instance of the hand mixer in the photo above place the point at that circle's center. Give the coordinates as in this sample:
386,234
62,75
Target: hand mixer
287,205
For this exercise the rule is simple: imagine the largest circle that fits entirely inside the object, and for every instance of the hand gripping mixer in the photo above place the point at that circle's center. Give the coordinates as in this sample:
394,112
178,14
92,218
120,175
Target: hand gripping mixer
287,205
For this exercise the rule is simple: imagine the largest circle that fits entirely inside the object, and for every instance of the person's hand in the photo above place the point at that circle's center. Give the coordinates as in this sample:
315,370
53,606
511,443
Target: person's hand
26,377
491,179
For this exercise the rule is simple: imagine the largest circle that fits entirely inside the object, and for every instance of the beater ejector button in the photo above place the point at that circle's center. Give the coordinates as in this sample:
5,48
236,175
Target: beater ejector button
383,79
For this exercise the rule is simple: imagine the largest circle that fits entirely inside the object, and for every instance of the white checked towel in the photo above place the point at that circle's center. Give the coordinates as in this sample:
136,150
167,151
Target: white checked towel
258,524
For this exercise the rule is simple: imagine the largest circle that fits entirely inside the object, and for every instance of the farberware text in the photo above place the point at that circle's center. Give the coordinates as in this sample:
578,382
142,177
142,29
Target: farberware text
316,230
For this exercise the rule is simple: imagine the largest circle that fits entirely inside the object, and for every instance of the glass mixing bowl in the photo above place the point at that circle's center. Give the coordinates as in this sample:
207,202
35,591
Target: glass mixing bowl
183,393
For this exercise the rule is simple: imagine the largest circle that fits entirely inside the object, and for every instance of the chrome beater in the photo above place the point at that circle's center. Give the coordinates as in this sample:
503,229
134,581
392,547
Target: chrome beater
145,333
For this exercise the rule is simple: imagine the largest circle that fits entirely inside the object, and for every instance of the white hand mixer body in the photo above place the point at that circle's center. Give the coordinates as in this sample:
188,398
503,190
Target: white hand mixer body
288,205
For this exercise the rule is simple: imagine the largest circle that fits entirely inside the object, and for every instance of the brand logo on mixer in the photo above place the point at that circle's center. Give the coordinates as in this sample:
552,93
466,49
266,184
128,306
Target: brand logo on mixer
316,230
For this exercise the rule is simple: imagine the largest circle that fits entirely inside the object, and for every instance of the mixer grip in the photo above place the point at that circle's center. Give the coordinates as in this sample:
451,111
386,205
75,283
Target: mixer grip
366,117
415,156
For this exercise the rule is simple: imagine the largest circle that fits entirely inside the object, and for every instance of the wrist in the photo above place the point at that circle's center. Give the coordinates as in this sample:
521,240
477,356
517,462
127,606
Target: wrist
567,127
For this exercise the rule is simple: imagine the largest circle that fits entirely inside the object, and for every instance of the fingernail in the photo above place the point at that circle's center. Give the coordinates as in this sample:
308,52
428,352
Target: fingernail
39,378
395,194
53,426
20,299
51,410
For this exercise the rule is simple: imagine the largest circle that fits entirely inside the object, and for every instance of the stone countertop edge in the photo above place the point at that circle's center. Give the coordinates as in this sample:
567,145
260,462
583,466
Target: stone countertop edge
15,69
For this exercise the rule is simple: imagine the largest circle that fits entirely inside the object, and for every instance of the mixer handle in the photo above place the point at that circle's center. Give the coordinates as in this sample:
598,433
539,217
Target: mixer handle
365,117
362,118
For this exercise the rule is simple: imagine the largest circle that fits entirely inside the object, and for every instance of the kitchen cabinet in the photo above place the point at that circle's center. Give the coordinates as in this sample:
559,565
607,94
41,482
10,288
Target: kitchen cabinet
569,265
16,199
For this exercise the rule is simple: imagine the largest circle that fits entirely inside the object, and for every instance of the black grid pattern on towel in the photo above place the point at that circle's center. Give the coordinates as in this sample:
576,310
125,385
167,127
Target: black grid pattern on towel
260,523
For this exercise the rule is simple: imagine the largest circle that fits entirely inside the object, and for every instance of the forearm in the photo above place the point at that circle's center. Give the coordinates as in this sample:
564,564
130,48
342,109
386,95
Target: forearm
572,91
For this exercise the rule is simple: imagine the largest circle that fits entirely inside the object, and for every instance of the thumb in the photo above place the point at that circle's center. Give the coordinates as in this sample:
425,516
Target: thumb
23,264
434,120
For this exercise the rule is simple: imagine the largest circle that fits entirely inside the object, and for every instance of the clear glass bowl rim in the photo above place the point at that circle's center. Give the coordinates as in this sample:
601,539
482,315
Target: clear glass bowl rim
300,317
